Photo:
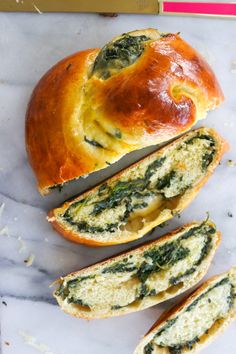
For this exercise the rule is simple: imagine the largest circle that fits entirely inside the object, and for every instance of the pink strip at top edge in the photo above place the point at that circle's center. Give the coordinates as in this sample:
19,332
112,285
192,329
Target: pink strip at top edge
200,8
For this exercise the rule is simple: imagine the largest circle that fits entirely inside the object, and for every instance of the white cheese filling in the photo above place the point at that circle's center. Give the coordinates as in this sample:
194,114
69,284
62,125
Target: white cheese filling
195,322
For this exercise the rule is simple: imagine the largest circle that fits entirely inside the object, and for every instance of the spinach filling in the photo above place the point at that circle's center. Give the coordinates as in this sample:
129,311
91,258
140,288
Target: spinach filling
118,55
178,349
120,267
209,155
148,349
137,193
93,142
154,260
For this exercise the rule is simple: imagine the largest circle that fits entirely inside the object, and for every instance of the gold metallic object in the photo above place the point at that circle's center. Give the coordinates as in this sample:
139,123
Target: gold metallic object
100,6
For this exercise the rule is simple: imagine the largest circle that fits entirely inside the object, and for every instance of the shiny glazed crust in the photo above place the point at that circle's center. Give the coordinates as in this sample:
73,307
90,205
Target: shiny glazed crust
184,201
145,303
172,312
161,95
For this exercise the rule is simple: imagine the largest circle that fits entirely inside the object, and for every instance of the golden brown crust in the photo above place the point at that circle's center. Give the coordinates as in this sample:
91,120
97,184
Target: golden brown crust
136,250
174,89
122,96
172,312
53,101
182,204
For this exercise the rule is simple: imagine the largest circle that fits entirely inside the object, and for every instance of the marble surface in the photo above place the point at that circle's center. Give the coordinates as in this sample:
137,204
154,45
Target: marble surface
30,320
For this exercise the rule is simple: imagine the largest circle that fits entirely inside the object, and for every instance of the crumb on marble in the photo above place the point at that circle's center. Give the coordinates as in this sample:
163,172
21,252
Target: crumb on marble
230,163
233,67
7,343
33,342
4,303
22,244
46,239
5,231
230,215
2,208
30,260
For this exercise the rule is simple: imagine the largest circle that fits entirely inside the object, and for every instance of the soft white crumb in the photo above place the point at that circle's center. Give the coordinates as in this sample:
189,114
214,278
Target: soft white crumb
30,260
46,239
2,208
5,231
33,342
84,176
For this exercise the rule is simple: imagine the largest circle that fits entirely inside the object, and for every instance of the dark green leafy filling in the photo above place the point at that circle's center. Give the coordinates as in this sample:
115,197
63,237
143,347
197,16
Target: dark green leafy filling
204,252
120,267
187,345
118,133
156,259
118,55
208,156
148,349
93,142
178,349
220,283
128,193
64,290
83,226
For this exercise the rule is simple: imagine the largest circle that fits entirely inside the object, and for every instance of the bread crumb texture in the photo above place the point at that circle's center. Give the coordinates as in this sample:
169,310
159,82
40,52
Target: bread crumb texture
142,277
197,321
144,195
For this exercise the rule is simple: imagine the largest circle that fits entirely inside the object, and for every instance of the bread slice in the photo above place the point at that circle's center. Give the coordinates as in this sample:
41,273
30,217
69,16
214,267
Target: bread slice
131,203
141,277
195,322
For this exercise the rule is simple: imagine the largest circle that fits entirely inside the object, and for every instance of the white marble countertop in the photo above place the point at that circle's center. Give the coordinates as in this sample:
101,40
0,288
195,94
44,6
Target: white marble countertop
30,320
